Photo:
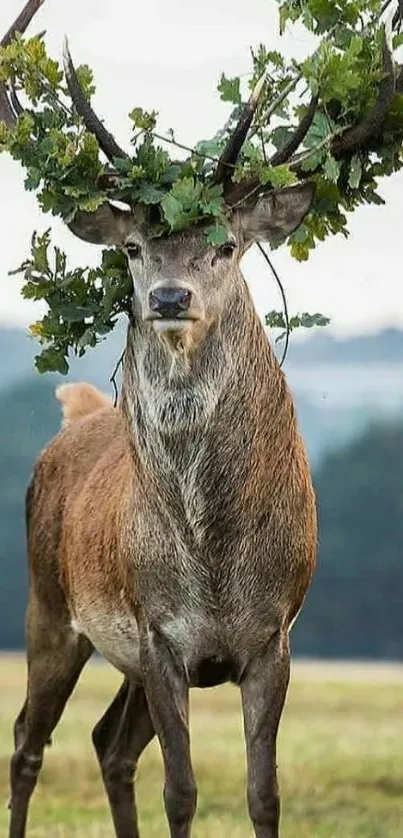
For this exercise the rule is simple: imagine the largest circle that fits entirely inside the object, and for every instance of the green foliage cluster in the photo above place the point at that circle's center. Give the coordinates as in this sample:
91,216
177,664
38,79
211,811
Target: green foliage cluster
83,304
64,166
278,320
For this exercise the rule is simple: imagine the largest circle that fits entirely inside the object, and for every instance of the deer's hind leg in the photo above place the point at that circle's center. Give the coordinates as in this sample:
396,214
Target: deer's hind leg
56,656
119,739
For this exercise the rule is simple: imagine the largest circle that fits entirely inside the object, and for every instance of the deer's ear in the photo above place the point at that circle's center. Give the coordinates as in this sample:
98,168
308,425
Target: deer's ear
277,214
107,225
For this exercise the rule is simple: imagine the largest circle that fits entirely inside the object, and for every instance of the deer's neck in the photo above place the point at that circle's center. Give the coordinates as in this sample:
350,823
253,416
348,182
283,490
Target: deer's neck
215,440
230,384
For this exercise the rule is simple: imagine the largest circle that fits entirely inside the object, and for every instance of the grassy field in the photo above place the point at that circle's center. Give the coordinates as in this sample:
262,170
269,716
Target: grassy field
340,757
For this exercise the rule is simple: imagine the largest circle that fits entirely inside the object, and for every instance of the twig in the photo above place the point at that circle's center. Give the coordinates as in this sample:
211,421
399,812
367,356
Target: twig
272,108
283,297
305,155
112,379
56,99
253,191
283,95
263,146
182,146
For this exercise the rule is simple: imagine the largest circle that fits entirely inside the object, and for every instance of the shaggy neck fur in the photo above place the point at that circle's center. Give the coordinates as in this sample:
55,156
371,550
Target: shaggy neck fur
177,391
230,388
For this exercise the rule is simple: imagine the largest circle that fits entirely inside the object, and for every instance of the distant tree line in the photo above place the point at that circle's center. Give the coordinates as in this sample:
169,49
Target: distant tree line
355,606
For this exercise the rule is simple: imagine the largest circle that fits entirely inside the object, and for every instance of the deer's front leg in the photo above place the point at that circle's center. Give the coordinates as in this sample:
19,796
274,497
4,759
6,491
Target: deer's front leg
264,688
168,700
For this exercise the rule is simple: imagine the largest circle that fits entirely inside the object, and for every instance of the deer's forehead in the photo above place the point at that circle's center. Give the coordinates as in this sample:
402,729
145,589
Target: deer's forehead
191,247
179,246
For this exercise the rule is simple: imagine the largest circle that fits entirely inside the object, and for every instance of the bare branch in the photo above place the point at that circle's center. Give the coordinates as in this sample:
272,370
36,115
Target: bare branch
112,379
284,301
93,124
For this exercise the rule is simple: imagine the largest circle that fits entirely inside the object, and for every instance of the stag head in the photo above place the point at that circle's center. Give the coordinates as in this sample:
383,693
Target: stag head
181,283
180,280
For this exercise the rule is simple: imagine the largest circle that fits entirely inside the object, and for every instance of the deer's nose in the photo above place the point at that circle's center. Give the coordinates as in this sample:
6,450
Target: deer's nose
169,302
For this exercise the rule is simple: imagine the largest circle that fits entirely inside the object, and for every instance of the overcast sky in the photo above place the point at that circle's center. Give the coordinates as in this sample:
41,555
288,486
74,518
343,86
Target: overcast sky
168,55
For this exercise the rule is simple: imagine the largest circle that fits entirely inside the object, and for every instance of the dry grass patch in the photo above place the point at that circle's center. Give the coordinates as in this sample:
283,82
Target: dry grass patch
340,756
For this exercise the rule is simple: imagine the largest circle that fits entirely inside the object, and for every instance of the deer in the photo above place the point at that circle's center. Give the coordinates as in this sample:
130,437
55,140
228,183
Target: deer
175,533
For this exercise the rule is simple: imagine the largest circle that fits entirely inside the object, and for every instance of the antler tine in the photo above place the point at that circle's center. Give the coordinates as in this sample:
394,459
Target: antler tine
234,193
93,124
22,22
370,128
358,137
232,150
398,15
297,137
9,112
15,102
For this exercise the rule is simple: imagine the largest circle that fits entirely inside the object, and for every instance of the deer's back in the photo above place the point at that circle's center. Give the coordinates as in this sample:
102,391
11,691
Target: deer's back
75,500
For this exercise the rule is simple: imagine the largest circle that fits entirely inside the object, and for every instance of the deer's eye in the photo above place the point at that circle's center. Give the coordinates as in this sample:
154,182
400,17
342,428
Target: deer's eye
133,250
225,251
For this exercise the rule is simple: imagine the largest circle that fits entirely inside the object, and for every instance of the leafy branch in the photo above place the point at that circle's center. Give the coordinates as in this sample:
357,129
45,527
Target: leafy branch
83,304
301,130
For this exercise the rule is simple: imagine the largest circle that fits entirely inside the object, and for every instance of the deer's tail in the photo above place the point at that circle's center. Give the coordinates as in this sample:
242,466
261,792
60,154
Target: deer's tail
78,400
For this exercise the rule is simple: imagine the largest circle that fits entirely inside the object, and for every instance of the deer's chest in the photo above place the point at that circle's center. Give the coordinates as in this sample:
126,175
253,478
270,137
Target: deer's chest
114,634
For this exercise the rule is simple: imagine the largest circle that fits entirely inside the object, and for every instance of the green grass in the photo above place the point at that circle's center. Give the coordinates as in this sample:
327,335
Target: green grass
340,758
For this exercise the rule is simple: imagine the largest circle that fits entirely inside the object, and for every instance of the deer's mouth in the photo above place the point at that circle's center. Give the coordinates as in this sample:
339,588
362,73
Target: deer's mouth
164,325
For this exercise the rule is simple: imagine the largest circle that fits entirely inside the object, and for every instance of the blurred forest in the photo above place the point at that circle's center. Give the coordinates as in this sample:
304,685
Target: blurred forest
349,397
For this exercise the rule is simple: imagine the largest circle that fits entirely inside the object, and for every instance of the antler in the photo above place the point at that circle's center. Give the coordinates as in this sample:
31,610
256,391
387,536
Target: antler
235,193
91,121
22,22
297,137
364,135
227,161
10,107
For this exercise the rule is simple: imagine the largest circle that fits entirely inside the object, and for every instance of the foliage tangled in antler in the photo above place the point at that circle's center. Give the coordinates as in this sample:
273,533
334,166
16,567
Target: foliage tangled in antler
336,119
